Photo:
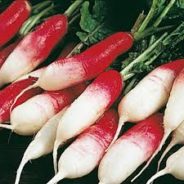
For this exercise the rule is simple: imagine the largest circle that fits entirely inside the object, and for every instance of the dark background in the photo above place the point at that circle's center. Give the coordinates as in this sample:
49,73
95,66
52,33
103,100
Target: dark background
122,14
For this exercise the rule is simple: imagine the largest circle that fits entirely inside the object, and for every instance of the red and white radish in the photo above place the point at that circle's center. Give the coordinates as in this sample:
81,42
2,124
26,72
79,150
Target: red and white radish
177,138
88,107
39,109
84,154
174,114
33,49
87,65
149,95
174,166
9,94
5,52
12,19
131,150
42,144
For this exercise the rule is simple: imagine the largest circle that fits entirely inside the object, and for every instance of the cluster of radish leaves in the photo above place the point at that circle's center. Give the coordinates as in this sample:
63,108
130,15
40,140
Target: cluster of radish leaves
163,18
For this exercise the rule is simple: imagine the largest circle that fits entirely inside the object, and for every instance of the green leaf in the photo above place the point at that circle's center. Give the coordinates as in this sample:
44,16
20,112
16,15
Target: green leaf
93,23
87,23
180,4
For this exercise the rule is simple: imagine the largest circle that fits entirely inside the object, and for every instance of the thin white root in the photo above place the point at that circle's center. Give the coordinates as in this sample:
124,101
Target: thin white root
121,123
172,144
157,175
55,154
21,93
59,176
19,171
10,127
166,135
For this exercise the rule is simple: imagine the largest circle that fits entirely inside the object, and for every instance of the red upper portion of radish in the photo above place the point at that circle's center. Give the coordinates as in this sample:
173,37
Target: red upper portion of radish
101,55
176,66
110,82
38,44
4,53
87,65
8,95
12,19
147,133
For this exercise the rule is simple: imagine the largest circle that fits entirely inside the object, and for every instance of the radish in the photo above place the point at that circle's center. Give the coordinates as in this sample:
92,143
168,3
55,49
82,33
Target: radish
9,94
33,49
174,166
88,107
66,72
42,144
84,154
4,53
131,150
174,114
12,19
39,109
149,95
177,138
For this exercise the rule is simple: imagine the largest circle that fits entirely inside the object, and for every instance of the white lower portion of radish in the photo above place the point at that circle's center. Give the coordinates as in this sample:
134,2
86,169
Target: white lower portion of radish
79,160
174,114
82,113
29,117
174,166
37,73
148,96
59,76
42,144
121,160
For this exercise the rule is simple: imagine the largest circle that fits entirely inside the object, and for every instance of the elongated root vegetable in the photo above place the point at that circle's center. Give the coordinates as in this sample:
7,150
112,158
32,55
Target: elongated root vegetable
33,49
174,114
39,109
42,144
84,154
149,95
88,107
177,138
12,19
174,166
9,94
87,65
4,53
131,150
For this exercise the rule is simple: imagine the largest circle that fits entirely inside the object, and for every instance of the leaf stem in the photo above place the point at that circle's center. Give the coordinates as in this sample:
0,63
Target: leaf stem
73,8
149,16
164,13
144,56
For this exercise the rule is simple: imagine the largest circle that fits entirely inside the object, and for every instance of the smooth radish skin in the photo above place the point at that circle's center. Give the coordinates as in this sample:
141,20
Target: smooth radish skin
174,166
88,107
33,49
149,95
5,52
174,114
35,73
12,19
177,138
85,153
39,109
131,150
66,72
42,144
9,94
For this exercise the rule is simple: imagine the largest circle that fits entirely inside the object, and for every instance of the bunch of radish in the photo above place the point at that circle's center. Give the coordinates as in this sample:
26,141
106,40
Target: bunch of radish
56,104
